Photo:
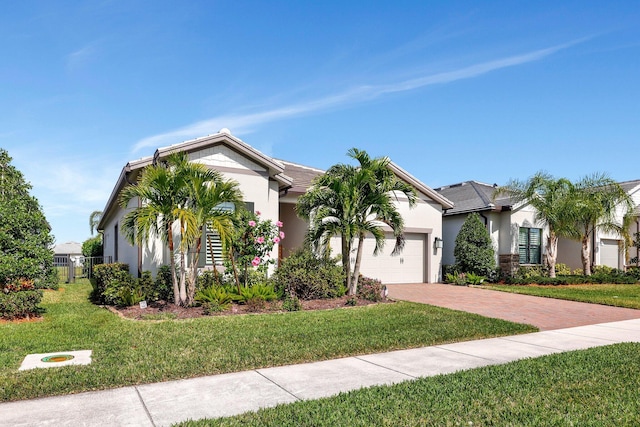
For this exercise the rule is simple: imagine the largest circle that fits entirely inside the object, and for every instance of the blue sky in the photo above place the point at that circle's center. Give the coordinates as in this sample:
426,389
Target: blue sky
451,91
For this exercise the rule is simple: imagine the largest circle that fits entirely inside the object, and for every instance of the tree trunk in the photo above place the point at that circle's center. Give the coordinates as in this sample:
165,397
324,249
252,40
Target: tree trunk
213,260
193,273
551,253
356,268
183,279
235,271
172,263
586,255
346,261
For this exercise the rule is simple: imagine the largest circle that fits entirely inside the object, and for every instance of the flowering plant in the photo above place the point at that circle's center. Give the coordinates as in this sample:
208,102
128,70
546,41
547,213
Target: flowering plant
253,242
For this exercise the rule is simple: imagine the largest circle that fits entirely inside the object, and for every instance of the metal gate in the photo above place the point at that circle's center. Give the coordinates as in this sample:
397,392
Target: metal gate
71,268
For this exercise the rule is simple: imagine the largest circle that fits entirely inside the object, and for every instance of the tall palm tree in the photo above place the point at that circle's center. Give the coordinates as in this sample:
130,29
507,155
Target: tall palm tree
209,198
354,201
94,220
549,196
599,203
162,191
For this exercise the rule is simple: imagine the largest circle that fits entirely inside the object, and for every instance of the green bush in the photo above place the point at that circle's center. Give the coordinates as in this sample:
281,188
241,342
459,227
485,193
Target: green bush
20,304
370,289
19,298
562,269
107,281
473,248
164,284
264,292
309,277
214,298
291,303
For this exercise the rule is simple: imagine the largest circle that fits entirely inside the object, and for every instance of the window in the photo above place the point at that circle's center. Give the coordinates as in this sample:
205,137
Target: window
212,242
115,243
529,246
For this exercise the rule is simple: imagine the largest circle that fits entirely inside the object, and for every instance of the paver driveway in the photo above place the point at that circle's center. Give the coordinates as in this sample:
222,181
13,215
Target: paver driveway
544,313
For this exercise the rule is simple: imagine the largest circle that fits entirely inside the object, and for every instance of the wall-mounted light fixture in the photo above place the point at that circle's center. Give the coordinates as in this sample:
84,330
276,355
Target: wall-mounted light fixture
438,243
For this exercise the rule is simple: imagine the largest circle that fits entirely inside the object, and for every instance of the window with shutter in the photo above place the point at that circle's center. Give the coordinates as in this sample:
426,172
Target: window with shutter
530,245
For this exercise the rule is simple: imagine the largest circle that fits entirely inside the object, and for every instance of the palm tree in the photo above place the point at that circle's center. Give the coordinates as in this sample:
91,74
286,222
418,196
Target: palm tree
162,192
209,198
599,203
94,220
354,201
549,196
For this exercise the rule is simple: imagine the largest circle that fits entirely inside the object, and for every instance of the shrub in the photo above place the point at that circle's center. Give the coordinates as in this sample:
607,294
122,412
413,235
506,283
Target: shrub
23,303
370,289
307,276
351,302
459,279
129,295
528,271
19,298
474,279
291,303
473,248
214,298
261,291
562,269
107,281
164,284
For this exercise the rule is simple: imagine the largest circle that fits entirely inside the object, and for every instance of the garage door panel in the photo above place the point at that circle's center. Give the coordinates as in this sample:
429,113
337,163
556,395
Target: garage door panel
407,267
609,253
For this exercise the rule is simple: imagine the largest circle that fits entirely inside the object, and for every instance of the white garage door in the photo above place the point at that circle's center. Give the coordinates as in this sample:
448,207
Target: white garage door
609,253
408,267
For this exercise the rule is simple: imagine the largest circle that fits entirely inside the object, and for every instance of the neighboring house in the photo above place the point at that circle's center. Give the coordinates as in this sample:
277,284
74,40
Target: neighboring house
272,187
517,238
607,248
71,251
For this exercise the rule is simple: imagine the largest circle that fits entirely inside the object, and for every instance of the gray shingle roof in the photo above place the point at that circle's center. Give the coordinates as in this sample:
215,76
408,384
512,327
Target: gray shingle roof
301,175
629,185
472,196
69,248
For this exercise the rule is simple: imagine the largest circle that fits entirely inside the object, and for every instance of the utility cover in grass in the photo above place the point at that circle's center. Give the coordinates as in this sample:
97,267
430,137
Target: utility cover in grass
57,359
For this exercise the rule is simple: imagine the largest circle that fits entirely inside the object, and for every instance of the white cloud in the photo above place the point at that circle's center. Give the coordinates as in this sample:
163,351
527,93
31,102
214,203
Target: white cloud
244,123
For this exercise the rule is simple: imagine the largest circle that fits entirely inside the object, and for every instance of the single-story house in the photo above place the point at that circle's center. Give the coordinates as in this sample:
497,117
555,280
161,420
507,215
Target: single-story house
517,238
607,248
272,187
69,251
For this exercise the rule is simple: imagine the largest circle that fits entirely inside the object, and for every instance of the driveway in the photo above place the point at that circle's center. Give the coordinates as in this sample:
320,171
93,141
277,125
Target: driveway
544,313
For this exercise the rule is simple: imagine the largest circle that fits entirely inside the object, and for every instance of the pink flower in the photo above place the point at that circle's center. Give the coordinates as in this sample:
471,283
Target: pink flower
279,224
282,234
252,223
258,213
260,240
276,239
256,261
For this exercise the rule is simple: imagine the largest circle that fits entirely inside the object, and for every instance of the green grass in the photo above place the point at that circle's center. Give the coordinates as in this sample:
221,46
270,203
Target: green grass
596,387
127,352
615,295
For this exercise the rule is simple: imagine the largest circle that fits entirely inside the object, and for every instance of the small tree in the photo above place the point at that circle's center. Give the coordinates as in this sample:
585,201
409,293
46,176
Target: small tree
92,247
473,251
25,235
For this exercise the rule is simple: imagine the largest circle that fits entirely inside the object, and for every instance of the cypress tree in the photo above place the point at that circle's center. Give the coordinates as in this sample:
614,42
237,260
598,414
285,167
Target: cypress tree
474,251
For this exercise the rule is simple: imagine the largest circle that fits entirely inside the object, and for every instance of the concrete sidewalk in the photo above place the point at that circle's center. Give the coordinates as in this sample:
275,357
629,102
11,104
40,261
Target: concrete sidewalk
162,404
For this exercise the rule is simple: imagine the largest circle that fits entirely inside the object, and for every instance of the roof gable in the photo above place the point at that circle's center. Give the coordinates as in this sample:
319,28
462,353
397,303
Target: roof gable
473,196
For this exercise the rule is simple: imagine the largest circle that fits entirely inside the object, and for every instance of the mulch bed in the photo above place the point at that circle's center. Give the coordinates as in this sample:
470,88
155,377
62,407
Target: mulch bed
159,308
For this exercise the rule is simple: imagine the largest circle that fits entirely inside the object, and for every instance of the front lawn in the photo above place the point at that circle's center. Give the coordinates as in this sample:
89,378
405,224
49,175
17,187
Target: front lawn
595,387
615,295
127,352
